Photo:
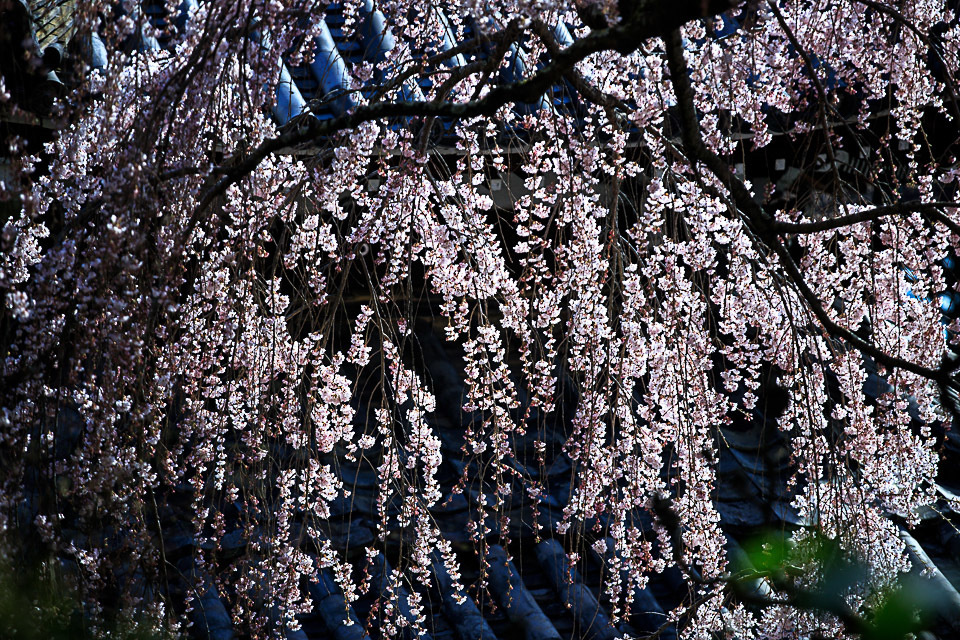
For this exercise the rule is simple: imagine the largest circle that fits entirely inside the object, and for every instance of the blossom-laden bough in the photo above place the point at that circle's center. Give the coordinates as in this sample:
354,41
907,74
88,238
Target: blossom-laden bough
227,308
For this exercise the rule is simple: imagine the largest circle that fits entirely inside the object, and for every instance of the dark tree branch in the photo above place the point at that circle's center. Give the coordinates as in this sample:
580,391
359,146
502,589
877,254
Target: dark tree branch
645,19
762,224
485,67
802,599
591,93
930,209
821,92
924,38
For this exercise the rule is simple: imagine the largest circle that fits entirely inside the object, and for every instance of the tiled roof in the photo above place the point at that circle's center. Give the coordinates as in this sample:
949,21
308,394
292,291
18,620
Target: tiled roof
320,87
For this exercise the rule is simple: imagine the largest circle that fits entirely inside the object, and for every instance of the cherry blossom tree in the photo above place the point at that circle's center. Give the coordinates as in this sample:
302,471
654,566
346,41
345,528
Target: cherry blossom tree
203,275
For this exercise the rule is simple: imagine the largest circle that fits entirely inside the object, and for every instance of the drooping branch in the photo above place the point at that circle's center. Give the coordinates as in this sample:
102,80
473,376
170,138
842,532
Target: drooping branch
545,33
763,225
908,24
821,91
930,209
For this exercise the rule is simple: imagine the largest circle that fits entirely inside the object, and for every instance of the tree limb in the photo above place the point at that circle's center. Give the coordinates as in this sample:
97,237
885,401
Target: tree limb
762,223
646,19
931,209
